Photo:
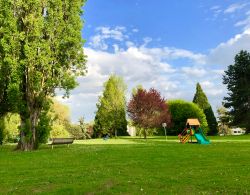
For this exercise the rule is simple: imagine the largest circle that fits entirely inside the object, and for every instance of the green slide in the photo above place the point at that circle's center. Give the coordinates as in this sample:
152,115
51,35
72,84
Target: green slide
201,138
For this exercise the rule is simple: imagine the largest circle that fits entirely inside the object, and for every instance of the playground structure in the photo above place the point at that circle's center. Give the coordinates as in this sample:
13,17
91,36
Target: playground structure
193,129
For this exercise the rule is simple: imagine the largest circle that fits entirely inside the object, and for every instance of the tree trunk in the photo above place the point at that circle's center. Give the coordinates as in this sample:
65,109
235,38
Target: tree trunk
144,133
28,140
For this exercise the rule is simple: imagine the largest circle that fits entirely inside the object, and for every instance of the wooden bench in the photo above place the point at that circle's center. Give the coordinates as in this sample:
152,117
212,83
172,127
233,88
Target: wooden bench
58,141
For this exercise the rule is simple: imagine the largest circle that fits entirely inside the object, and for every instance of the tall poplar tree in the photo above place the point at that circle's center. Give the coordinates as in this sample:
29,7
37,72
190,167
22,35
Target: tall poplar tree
41,48
8,44
201,100
111,109
237,79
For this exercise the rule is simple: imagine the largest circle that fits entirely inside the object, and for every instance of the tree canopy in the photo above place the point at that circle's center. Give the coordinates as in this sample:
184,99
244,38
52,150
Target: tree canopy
60,119
201,100
41,50
237,80
147,110
224,119
181,111
111,109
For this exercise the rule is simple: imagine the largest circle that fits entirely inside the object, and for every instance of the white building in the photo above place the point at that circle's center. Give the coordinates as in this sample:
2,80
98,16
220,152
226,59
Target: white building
237,131
131,130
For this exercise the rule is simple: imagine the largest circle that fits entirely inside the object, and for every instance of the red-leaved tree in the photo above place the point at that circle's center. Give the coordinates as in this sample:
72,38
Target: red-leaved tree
147,110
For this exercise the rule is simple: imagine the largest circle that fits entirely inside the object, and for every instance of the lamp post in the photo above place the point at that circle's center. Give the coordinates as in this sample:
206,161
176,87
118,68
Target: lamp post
164,125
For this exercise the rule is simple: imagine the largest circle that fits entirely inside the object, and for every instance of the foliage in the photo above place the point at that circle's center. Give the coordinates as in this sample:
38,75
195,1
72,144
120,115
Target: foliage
44,128
84,129
201,100
181,111
80,131
12,123
135,90
90,129
53,121
9,126
60,120
211,120
111,115
59,131
41,49
2,127
97,127
148,110
224,119
75,131
237,79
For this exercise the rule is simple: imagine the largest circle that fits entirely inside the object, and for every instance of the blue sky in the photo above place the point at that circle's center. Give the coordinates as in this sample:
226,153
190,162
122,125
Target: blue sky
166,44
192,25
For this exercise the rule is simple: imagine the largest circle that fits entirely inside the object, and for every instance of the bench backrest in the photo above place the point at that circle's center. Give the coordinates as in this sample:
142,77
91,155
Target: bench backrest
62,140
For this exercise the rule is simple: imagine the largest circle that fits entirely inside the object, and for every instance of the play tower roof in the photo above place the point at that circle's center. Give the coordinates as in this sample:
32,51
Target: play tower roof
193,122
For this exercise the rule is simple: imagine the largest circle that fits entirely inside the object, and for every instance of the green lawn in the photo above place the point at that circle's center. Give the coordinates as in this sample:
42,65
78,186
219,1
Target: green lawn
129,166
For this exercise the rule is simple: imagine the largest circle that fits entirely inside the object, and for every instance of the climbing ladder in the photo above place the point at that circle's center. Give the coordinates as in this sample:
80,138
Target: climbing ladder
184,136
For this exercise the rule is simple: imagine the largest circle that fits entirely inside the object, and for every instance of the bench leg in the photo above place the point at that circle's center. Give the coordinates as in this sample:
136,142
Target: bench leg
68,145
52,146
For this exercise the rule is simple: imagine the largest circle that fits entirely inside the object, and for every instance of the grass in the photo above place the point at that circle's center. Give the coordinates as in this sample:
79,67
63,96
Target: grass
129,166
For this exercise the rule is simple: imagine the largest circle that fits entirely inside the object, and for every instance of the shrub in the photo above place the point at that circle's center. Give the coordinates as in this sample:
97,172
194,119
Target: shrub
11,127
59,131
181,111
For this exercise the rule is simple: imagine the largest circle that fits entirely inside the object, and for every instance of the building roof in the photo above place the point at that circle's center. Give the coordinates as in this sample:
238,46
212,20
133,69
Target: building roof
193,122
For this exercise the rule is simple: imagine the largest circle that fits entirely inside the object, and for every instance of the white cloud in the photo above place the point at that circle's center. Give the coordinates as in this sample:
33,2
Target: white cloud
212,89
116,33
219,71
235,7
207,84
215,7
174,53
98,41
215,92
216,11
224,53
245,22
193,72
166,68
135,30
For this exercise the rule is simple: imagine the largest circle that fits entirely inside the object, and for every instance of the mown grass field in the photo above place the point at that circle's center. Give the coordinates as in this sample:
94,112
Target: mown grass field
129,166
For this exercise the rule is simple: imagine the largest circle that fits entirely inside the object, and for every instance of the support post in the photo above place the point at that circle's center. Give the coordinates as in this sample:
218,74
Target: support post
164,125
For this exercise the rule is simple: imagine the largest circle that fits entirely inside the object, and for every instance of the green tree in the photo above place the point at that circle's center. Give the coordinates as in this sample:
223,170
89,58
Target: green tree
135,89
224,119
2,127
12,123
111,115
237,79
41,48
84,129
60,119
43,129
181,111
8,59
79,131
201,100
